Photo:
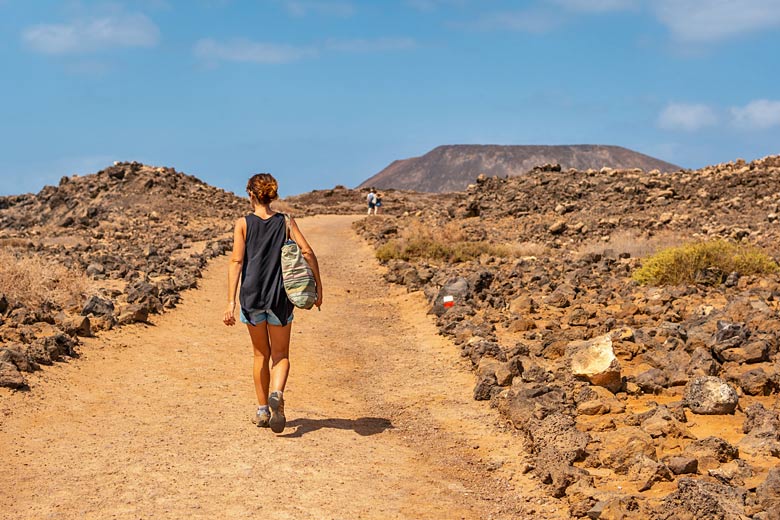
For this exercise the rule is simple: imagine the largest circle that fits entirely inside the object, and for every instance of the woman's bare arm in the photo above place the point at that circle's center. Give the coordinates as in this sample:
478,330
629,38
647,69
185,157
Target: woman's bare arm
234,269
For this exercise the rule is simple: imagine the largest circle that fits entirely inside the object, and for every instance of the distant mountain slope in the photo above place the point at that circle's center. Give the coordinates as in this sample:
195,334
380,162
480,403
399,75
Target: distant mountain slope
453,167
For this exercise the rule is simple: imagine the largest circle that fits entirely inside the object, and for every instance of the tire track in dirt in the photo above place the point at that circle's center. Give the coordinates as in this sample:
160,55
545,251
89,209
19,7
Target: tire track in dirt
153,420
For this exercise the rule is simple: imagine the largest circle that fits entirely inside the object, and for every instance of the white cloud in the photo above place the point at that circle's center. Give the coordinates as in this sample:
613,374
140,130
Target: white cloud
321,7
92,34
532,21
213,51
758,114
596,6
713,20
688,21
246,51
688,117
547,15
371,45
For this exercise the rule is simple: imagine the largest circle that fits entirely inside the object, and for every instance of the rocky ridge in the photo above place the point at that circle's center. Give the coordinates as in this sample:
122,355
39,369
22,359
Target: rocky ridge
633,401
140,234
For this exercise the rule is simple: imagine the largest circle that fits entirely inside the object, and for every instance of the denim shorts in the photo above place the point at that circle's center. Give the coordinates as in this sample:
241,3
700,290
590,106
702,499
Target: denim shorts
260,316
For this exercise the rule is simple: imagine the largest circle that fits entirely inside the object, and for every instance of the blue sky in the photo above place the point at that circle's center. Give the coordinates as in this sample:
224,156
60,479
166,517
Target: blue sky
329,92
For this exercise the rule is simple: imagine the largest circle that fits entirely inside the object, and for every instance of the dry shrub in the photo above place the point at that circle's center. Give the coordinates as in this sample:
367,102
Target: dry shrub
707,262
38,282
448,243
425,249
636,243
448,233
13,242
526,249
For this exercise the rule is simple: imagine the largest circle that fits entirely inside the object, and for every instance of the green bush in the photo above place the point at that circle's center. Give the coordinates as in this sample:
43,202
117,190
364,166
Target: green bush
703,262
430,249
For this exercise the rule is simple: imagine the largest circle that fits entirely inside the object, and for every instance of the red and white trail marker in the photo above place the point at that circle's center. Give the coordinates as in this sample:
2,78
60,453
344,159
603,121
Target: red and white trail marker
449,301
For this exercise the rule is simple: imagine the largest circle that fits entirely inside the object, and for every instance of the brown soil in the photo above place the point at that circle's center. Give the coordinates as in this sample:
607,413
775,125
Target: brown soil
153,421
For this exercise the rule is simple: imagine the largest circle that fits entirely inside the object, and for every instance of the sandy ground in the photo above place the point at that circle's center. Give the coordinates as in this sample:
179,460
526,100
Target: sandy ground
153,421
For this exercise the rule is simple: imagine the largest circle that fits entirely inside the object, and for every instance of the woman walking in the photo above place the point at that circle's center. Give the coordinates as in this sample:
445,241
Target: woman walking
264,307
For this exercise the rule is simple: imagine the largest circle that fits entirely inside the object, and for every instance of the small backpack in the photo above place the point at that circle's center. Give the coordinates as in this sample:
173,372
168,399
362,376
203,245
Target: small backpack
297,276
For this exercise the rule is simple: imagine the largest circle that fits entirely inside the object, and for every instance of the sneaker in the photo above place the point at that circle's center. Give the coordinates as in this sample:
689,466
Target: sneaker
261,418
276,403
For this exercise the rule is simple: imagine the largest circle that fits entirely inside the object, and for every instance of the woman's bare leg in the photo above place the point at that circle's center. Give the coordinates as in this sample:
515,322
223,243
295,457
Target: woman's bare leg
262,354
280,351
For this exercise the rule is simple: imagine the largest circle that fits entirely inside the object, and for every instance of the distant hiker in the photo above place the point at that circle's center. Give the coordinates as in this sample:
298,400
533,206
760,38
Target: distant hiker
377,203
371,199
265,308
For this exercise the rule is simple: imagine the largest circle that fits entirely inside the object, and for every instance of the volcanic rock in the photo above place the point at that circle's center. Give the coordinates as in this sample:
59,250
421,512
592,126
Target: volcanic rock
711,452
133,313
557,443
10,377
75,325
733,472
651,381
17,355
558,227
698,499
762,429
702,363
757,382
47,349
662,423
485,387
622,445
681,465
646,472
98,306
617,508
536,402
458,288
709,395
596,400
768,493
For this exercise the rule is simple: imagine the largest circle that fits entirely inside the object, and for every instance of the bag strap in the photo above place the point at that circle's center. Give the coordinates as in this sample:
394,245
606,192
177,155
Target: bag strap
286,227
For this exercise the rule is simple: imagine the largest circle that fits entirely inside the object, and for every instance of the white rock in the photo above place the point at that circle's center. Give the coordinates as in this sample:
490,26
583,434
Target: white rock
595,361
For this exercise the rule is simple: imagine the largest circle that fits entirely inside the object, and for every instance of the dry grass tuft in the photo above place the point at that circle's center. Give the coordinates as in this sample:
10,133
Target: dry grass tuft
447,243
526,249
13,242
634,242
36,282
703,262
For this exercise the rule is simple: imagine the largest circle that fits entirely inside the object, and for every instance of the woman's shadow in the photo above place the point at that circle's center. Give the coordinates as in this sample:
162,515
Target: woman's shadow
363,426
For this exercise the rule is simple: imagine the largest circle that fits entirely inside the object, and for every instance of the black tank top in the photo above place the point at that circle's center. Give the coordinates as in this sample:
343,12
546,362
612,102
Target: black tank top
261,272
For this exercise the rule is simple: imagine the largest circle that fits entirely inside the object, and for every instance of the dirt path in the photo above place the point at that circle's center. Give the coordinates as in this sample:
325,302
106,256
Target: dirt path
153,421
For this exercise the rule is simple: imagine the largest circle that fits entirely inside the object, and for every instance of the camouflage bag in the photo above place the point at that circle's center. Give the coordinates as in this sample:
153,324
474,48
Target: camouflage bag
297,276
